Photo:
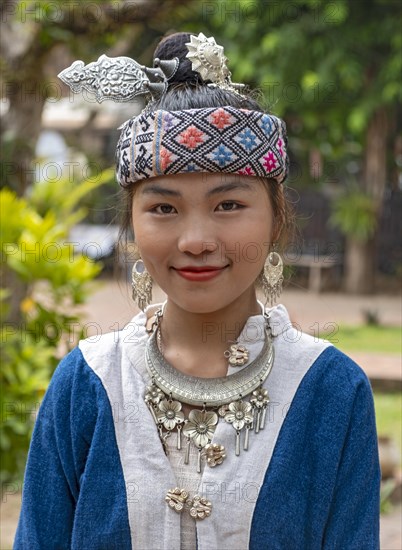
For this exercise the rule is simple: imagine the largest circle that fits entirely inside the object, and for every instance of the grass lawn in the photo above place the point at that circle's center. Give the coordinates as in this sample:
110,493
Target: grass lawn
388,409
370,338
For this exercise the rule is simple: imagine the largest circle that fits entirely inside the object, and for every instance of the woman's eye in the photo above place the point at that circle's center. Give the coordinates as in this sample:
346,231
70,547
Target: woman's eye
227,206
164,209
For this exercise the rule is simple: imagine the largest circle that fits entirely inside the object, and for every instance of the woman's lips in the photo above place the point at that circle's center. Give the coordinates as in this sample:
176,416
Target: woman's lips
204,273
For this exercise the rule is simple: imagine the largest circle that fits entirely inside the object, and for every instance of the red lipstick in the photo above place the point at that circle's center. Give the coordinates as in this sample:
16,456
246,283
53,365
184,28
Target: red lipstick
204,273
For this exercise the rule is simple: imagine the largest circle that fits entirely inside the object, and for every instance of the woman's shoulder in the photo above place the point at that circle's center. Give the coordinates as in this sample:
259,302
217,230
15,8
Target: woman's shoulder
73,375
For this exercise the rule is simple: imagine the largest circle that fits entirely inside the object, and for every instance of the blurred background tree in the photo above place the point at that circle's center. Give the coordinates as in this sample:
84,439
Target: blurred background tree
38,40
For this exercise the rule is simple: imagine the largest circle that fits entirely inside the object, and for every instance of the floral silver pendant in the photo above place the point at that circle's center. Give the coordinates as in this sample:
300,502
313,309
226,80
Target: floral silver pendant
169,414
240,415
200,427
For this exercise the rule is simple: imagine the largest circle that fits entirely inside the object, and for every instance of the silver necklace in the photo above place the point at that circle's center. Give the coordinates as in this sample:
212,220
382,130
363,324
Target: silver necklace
170,388
208,392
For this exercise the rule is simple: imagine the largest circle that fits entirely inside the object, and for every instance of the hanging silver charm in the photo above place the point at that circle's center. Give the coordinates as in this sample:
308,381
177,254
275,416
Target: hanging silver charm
163,436
152,398
199,461
215,454
240,414
177,498
200,507
187,454
264,413
223,410
257,421
246,439
237,355
259,401
154,395
237,446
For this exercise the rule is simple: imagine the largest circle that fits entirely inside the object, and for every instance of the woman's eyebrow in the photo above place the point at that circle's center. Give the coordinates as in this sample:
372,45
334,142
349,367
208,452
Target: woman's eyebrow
229,187
157,190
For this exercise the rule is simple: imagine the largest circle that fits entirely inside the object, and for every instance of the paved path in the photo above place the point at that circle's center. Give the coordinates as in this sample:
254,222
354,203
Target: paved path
391,529
111,303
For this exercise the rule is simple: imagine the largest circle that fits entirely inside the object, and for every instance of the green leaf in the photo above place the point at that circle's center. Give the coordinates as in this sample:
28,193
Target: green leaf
355,215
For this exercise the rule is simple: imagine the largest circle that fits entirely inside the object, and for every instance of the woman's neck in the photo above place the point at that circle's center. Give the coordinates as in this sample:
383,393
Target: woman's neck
194,343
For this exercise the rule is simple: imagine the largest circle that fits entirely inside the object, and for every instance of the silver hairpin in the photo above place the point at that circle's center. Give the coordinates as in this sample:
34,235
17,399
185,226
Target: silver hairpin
119,78
208,59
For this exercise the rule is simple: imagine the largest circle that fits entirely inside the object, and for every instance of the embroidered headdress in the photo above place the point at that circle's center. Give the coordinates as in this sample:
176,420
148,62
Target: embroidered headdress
161,141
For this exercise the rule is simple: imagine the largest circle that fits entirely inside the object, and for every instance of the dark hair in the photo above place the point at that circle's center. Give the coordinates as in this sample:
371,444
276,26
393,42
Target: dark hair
187,90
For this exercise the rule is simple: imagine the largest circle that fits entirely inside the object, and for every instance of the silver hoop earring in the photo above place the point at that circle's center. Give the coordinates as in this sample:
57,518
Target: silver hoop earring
141,282
272,277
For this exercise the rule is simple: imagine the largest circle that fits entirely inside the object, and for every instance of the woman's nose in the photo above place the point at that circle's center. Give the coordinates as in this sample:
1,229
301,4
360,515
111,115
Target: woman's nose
197,238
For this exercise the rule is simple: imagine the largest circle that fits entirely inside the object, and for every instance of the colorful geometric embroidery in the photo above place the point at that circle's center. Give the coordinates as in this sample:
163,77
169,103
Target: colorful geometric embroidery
247,139
221,119
222,156
223,139
192,137
270,162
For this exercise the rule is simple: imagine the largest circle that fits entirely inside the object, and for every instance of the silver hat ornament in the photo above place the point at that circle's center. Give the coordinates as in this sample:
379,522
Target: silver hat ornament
120,79
208,59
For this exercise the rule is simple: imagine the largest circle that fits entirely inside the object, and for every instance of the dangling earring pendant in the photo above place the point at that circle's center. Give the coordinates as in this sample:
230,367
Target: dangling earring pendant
141,283
272,277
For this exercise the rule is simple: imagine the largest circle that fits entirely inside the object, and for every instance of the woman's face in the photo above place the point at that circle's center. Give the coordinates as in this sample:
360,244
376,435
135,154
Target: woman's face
203,237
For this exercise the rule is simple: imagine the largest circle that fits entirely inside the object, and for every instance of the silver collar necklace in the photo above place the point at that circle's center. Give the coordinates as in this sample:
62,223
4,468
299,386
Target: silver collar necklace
227,395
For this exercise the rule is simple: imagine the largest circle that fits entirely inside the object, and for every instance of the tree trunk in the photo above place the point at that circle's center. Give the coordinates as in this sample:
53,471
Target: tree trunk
22,125
10,281
23,56
375,160
360,256
360,266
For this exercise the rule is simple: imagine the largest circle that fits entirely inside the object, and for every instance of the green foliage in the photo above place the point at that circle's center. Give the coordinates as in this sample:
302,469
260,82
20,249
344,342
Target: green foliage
387,488
35,252
355,215
388,412
27,364
388,409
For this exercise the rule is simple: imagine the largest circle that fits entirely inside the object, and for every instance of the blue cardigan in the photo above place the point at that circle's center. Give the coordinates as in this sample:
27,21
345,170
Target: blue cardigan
320,489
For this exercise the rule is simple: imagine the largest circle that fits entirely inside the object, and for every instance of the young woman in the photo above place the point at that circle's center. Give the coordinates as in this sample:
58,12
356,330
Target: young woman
208,422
